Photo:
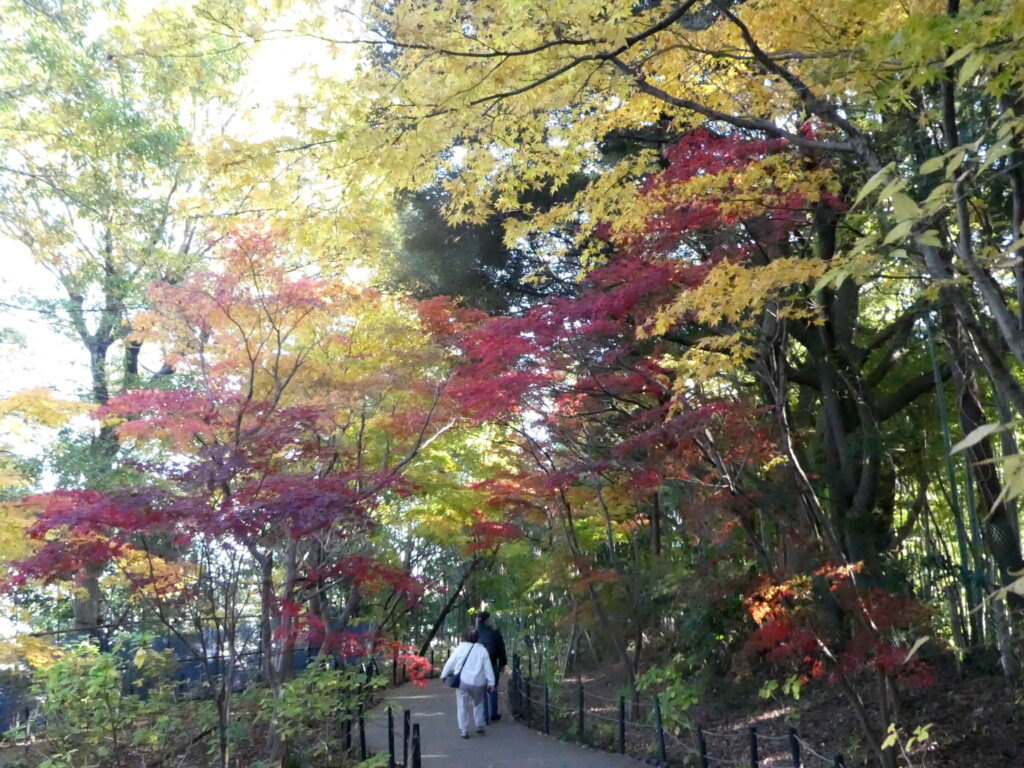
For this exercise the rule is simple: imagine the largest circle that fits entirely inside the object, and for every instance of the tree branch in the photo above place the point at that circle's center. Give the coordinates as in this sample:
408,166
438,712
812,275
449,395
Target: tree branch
909,392
747,123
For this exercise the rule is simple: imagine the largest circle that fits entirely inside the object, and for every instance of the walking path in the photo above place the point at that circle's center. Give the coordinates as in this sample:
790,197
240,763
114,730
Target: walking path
507,744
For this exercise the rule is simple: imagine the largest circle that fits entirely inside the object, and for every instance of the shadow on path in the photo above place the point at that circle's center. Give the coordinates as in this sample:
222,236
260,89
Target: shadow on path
507,744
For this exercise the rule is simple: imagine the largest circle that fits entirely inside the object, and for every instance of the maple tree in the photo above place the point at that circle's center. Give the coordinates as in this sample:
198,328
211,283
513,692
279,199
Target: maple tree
25,416
258,478
615,421
791,161
753,268
102,121
601,72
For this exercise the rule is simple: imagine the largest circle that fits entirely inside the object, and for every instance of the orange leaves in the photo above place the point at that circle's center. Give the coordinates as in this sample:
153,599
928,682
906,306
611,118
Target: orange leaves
486,535
153,577
860,626
596,577
771,599
445,320
176,417
302,405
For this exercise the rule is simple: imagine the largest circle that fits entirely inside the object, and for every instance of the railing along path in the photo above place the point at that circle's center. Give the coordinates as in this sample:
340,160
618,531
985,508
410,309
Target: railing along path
531,703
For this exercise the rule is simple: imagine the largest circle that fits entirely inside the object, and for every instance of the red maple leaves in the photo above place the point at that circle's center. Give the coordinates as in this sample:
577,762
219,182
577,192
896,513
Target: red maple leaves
865,627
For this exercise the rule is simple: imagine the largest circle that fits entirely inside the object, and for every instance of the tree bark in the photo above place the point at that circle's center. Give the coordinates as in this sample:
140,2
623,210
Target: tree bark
448,605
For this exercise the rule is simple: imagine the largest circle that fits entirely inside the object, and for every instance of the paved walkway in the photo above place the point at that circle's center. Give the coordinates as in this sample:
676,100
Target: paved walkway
507,744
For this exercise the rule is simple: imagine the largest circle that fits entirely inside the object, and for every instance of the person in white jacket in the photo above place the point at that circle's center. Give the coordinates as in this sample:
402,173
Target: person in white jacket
476,676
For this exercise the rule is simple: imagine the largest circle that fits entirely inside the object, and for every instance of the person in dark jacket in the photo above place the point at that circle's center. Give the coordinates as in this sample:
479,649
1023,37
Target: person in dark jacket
491,639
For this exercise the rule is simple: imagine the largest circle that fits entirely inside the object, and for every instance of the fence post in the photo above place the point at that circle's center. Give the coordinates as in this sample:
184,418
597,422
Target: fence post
753,747
391,739
348,732
622,725
362,734
406,735
702,746
529,704
521,694
579,728
416,747
547,710
794,747
513,690
662,756
513,693
839,763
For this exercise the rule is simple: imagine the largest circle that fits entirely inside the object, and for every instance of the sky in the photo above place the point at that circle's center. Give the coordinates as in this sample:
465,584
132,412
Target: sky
49,359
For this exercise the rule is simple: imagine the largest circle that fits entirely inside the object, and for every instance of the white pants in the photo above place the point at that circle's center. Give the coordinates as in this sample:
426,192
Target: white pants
467,696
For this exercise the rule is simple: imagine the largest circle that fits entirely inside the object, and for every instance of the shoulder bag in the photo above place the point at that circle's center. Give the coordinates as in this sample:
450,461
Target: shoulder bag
454,681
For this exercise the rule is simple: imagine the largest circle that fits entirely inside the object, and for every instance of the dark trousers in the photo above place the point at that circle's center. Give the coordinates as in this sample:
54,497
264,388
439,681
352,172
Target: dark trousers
491,699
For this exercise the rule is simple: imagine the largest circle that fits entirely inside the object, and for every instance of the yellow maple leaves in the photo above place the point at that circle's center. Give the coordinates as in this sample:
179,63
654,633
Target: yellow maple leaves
22,415
731,301
32,650
732,292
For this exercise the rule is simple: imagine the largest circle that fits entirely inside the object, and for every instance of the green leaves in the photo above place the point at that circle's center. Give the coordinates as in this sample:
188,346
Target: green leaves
905,208
873,183
970,68
791,686
978,434
898,232
892,737
959,54
922,734
932,165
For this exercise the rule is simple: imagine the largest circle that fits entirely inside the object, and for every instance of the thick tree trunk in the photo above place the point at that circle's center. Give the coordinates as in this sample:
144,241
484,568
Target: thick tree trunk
285,659
998,530
266,562
87,603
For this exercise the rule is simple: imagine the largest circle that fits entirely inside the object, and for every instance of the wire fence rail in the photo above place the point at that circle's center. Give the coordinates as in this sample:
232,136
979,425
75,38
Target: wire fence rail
639,729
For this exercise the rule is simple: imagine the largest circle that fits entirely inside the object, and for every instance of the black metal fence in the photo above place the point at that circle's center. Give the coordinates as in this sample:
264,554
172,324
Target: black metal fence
408,754
636,727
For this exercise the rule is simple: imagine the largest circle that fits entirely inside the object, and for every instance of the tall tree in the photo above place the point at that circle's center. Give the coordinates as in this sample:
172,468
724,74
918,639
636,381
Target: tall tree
874,103
301,407
102,117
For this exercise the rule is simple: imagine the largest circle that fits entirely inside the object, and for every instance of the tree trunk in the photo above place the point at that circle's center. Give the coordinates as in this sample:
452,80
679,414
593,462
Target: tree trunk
87,605
447,608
